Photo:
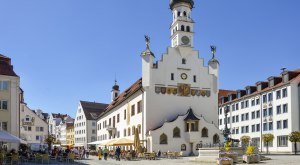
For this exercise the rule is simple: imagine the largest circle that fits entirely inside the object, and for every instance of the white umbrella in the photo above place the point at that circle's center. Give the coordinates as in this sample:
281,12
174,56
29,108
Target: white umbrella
95,143
9,138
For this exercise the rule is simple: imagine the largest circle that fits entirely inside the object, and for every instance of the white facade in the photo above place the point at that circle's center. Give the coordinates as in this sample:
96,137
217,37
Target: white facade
177,82
268,108
85,130
34,130
54,120
62,129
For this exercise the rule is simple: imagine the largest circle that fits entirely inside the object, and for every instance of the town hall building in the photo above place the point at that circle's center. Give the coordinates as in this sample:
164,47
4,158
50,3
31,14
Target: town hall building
174,105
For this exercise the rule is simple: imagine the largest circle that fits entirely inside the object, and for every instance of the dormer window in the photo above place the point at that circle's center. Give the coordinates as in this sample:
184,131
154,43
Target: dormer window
248,91
239,94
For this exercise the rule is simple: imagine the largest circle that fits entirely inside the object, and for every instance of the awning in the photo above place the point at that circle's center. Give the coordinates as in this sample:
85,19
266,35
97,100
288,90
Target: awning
78,145
95,143
109,143
122,142
9,138
23,141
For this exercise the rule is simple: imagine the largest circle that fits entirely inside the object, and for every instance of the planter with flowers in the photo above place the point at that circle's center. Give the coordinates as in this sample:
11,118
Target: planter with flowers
250,157
224,161
227,153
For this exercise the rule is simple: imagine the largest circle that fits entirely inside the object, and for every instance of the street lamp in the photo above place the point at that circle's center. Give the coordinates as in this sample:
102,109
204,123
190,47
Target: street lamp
226,131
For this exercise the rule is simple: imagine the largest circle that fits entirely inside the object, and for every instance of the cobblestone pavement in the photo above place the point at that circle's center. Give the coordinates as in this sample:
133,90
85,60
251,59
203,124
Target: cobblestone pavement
275,160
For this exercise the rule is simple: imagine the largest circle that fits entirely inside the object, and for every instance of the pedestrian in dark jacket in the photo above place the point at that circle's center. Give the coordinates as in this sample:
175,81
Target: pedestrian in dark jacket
118,153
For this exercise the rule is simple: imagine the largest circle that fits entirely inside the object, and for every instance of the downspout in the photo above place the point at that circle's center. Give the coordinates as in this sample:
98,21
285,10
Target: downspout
19,118
261,122
142,125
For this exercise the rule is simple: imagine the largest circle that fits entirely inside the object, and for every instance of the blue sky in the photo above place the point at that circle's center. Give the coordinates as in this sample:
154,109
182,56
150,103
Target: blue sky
70,50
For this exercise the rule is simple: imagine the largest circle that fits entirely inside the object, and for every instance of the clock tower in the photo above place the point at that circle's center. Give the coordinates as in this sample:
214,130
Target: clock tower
183,25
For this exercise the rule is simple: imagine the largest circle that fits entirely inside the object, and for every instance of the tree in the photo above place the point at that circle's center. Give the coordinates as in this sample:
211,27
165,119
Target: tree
294,137
267,138
50,140
245,141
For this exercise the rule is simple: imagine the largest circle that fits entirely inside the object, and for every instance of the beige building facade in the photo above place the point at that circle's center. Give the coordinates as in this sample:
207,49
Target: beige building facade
9,99
70,134
34,129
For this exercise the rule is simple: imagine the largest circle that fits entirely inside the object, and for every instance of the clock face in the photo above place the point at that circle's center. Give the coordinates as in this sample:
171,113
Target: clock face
185,40
184,76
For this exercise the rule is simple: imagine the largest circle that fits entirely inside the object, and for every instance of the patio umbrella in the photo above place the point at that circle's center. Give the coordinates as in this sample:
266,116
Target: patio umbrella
109,143
137,142
95,143
9,138
122,142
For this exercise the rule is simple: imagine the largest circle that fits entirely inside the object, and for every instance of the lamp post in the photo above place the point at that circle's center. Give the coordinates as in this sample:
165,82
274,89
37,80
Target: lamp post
226,131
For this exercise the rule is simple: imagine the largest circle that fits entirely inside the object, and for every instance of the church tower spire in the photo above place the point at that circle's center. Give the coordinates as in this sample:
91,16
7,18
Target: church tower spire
183,25
115,91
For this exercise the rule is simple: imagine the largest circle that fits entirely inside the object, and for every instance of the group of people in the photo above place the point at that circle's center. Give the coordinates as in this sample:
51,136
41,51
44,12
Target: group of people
105,152
82,152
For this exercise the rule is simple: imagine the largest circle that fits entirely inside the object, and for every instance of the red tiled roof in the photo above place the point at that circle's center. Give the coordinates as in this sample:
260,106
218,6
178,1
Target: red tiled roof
92,110
125,95
224,93
267,88
5,66
58,115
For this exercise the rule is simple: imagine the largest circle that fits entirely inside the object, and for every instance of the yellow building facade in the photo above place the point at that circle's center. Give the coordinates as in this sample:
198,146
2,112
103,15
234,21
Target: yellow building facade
70,134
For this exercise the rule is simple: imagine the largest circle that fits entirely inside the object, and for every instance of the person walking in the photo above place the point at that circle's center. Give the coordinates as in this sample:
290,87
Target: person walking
118,153
83,153
100,153
87,153
105,153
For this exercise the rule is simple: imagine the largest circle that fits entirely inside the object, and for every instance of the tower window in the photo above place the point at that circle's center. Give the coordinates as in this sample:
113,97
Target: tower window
195,79
184,13
178,14
182,28
183,61
188,29
172,76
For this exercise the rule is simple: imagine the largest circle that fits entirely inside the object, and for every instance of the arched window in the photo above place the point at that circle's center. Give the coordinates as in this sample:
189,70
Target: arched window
124,132
128,131
183,61
163,139
188,29
183,147
178,14
184,13
204,132
139,129
182,28
176,132
216,139
133,130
